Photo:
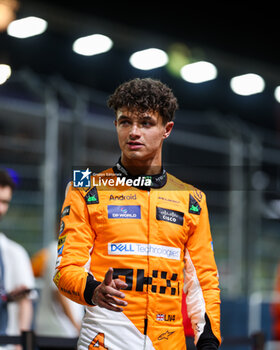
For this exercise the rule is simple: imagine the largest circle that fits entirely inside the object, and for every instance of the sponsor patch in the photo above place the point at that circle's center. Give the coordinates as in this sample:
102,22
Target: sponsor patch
122,197
124,212
61,241
61,227
198,195
172,216
60,250
58,261
165,335
66,211
194,207
57,278
144,249
168,200
92,196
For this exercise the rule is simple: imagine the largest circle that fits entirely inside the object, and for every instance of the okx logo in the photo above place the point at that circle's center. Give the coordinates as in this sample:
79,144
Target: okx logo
81,178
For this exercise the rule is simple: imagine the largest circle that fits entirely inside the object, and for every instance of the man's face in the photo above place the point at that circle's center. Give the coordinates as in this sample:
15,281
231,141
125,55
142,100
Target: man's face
141,134
5,198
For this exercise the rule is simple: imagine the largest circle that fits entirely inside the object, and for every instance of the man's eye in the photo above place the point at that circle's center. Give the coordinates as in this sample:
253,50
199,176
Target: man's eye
123,122
146,123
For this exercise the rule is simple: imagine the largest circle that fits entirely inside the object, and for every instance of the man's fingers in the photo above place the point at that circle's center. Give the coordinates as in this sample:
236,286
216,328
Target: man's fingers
111,300
110,303
113,292
109,306
120,284
109,276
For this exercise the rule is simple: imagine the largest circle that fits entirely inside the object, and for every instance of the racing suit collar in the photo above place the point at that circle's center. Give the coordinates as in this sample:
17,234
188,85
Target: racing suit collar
157,180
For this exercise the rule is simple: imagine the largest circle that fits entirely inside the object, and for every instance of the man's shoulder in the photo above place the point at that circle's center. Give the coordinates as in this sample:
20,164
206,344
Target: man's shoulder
181,184
176,184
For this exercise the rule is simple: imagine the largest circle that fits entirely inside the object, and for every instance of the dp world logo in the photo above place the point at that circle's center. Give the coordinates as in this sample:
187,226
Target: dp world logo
81,178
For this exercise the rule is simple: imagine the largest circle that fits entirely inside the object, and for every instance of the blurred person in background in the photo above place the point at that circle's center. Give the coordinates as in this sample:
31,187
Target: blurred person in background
275,307
138,235
16,276
56,315
189,333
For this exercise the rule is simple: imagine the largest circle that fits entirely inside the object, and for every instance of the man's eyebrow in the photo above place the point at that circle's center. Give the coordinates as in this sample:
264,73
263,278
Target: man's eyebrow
140,117
145,117
122,116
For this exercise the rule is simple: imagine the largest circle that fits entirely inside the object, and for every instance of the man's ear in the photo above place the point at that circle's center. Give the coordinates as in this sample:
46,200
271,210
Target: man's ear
168,128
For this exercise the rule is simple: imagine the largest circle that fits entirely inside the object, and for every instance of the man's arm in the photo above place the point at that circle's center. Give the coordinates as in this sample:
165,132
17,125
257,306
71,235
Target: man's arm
25,314
75,244
201,279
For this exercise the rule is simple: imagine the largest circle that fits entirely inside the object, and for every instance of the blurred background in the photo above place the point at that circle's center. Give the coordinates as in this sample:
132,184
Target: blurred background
59,62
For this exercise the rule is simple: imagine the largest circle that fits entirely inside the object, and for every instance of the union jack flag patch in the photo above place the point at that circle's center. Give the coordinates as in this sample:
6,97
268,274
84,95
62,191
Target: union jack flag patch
160,317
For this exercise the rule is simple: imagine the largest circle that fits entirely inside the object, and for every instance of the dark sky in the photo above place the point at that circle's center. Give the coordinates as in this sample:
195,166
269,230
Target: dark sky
241,30
238,27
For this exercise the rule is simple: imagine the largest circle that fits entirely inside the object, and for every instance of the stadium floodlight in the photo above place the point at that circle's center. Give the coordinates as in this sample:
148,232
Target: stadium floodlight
92,45
5,73
277,93
27,27
198,72
148,59
247,84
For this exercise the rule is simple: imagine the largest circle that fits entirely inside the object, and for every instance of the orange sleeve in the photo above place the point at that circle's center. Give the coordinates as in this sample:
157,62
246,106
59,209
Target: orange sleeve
201,275
75,244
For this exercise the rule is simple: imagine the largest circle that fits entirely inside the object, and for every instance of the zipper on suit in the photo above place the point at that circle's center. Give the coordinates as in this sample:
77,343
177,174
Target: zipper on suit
145,326
148,260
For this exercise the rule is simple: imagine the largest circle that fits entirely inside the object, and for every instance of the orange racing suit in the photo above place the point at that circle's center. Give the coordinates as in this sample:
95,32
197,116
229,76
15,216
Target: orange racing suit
157,239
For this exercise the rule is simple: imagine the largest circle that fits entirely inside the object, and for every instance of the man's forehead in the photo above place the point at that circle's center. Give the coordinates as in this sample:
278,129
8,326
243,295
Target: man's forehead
5,191
132,113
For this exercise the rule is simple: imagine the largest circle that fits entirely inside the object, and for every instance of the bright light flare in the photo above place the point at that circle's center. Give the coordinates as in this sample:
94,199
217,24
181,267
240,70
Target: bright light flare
148,59
92,44
247,84
199,72
277,94
5,73
27,27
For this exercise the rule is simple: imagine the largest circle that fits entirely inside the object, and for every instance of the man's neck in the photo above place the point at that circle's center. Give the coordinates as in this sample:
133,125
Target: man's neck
140,167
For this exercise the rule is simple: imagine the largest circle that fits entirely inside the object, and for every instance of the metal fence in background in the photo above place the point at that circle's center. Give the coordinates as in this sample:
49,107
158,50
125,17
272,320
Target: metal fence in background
47,127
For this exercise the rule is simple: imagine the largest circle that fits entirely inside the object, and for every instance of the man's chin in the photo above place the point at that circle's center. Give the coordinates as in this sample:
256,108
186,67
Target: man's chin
135,155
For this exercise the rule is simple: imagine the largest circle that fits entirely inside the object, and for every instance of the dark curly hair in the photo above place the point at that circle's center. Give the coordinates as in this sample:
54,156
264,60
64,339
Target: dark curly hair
6,180
145,95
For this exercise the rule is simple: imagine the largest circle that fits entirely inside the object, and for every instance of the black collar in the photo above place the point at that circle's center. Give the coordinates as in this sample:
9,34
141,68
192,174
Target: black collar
157,181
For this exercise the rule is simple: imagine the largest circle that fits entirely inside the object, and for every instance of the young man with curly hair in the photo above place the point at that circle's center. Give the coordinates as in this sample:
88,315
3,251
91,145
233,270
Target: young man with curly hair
133,241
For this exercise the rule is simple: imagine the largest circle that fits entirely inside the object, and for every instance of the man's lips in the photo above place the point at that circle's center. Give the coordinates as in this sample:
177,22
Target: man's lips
134,145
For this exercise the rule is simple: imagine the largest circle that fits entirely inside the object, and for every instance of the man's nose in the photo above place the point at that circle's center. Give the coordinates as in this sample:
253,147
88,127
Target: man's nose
134,131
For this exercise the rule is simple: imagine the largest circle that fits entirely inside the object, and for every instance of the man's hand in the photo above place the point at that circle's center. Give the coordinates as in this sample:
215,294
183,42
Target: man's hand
107,293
